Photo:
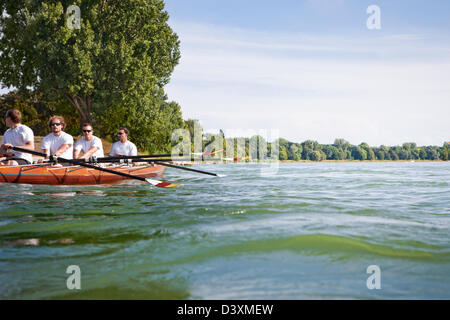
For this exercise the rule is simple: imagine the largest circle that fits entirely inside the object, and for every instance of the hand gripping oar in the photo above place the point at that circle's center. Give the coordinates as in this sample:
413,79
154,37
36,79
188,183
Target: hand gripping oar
156,183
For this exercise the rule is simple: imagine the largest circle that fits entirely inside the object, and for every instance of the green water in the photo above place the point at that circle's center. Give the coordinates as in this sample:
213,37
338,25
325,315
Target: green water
307,232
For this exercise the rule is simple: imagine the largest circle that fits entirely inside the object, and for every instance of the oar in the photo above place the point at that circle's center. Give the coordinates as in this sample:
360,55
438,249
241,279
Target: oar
187,169
153,156
114,159
156,183
102,160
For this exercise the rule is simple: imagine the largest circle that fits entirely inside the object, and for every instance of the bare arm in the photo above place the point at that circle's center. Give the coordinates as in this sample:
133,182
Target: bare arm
90,152
29,145
87,154
4,147
62,149
47,152
58,153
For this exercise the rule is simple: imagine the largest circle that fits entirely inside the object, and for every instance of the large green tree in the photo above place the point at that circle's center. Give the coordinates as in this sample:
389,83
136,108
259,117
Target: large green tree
121,56
151,122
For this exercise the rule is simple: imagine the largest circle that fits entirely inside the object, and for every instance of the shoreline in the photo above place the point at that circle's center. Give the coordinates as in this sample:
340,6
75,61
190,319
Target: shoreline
309,161
295,161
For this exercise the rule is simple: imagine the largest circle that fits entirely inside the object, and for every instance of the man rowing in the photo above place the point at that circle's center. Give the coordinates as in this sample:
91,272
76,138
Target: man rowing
18,135
58,143
90,145
123,147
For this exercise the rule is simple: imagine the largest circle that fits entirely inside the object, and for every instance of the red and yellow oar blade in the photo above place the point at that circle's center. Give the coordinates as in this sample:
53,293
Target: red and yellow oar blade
161,184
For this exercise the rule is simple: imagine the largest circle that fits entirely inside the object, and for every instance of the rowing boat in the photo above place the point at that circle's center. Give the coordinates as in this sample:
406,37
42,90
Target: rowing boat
73,175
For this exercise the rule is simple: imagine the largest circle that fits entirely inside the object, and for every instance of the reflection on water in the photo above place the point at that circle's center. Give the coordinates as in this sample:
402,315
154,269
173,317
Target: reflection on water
62,241
25,242
98,193
59,194
37,242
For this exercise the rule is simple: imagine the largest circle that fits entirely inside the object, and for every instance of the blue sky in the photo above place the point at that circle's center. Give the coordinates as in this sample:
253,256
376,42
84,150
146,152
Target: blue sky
331,16
313,70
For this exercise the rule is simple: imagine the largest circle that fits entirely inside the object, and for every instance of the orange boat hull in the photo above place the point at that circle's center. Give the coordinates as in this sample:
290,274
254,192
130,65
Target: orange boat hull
73,175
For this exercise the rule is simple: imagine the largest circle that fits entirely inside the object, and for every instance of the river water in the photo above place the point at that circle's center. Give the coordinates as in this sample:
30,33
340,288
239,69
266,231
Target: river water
299,231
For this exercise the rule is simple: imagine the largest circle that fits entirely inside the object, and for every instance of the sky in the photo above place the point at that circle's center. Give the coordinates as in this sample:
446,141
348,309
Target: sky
313,69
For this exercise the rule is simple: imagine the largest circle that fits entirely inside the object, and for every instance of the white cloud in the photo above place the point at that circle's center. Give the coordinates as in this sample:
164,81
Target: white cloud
385,90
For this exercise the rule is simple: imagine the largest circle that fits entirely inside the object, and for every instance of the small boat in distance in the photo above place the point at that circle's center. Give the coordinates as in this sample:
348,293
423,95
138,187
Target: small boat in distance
52,174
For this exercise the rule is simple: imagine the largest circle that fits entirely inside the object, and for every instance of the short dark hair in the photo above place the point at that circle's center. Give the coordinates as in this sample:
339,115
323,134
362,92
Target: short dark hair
14,115
125,129
87,124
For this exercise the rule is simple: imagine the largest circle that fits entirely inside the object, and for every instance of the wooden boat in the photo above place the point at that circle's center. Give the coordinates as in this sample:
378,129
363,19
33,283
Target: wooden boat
73,175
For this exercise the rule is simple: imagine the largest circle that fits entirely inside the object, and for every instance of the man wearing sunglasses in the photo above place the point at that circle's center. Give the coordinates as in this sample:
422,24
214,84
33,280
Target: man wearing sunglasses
58,143
89,144
18,135
123,147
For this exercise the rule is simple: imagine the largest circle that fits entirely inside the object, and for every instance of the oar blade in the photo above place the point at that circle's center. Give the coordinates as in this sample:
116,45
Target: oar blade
161,184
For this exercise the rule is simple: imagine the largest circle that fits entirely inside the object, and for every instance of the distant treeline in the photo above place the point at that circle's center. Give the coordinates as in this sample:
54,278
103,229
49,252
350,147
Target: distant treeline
343,150
257,147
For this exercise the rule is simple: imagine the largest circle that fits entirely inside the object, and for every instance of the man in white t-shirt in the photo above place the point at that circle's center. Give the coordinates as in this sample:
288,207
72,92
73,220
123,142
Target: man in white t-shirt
58,143
89,144
123,147
18,135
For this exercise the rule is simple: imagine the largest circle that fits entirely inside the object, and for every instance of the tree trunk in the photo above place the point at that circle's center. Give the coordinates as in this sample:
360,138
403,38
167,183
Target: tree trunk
86,103
85,116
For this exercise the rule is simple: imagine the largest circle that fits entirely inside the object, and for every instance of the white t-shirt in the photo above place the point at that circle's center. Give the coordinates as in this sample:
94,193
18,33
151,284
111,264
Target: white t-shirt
19,136
53,143
126,149
84,145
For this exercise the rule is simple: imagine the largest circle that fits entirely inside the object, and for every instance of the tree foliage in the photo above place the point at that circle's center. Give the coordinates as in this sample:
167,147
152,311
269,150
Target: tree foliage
117,63
339,150
36,111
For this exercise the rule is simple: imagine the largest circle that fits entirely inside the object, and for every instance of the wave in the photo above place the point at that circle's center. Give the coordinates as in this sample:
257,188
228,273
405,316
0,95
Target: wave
325,244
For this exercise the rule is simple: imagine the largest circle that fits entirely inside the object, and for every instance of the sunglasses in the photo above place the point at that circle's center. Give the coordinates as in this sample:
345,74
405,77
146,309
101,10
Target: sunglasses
120,133
55,124
87,130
